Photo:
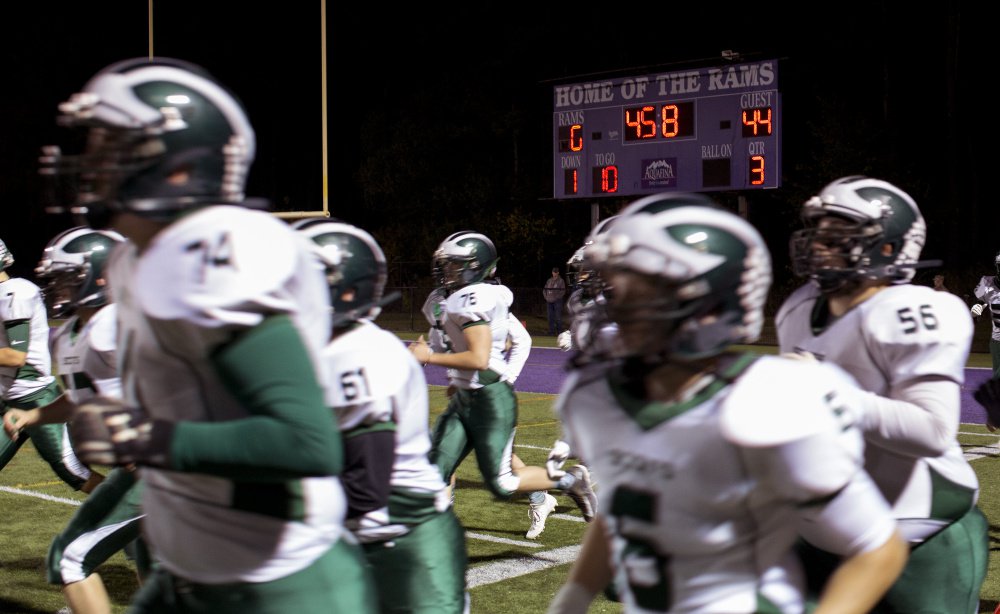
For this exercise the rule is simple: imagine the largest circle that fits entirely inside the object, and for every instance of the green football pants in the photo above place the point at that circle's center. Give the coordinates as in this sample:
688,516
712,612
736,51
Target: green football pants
339,581
422,572
482,420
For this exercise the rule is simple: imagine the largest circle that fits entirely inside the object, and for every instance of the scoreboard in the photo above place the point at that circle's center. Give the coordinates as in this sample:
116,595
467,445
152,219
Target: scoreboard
697,130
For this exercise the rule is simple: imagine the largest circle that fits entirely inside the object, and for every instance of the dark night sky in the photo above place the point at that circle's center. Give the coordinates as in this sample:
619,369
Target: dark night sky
866,88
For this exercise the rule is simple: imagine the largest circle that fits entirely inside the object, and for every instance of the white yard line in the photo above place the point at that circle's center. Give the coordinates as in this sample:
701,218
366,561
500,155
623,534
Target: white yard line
505,569
502,540
38,495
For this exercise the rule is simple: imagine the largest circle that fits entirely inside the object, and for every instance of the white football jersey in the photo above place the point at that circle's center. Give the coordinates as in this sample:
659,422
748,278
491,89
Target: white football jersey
704,498
207,277
85,358
520,348
374,380
480,304
987,291
22,300
898,335
433,310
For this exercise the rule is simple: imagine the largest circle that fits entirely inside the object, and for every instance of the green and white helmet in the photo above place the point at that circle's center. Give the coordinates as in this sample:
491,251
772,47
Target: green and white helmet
714,271
6,258
580,272
882,240
72,268
356,268
148,121
463,258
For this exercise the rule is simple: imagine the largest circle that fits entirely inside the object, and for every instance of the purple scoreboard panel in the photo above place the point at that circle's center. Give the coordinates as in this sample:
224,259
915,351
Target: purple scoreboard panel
697,130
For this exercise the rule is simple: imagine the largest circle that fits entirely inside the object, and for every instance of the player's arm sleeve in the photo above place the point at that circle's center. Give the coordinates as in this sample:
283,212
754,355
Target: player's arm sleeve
369,455
290,432
981,289
855,519
840,508
921,418
520,347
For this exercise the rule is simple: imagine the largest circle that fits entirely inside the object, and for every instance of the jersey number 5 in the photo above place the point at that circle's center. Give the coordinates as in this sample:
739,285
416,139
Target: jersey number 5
643,567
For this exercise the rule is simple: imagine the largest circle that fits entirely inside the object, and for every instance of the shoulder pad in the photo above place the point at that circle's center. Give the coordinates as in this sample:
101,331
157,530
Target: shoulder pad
434,306
215,262
780,400
805,292
470,302
504,294
581,377
22,296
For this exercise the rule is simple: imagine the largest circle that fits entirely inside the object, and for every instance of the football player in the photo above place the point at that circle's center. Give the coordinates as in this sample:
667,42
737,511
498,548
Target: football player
907,346
518,347
585,294
988,291
222,313
482,413
397,503
83,351
26,379
708,469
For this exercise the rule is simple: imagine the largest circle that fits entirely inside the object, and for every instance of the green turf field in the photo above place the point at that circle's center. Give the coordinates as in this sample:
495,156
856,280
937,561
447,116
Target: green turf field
508,573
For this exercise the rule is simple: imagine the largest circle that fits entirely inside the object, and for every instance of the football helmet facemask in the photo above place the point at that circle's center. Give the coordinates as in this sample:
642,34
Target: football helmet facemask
72,268
355,265
580,272
161,136
6,258
712,271
876,232
463,258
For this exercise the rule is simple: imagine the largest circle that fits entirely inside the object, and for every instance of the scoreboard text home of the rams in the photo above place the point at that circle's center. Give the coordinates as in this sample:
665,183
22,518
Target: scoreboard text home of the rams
696,130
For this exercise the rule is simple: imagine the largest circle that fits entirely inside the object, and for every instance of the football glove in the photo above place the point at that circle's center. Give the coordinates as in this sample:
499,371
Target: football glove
557,458
107,432
565,341
977,310
988,395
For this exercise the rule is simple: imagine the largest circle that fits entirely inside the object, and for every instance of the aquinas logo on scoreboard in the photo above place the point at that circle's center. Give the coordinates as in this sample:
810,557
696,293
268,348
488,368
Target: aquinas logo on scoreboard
714,128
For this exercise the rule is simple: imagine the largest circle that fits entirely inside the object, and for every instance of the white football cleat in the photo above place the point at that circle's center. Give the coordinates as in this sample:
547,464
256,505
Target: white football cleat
538,514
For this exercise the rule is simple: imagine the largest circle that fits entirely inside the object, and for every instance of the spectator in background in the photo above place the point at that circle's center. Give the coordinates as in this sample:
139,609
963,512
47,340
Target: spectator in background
555,290
939,283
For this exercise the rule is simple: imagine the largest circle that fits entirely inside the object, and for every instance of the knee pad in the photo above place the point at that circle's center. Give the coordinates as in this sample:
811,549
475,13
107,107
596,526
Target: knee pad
504,485
63,564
